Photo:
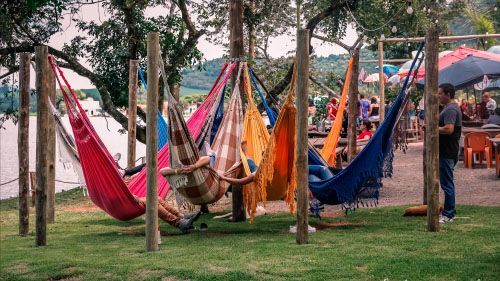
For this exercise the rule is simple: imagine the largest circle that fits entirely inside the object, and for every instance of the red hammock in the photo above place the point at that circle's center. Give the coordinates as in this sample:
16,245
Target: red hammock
104,183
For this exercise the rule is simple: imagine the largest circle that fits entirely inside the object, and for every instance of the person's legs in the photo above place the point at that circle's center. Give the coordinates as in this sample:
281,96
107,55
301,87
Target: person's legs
320,171
169,214
133,170
446,167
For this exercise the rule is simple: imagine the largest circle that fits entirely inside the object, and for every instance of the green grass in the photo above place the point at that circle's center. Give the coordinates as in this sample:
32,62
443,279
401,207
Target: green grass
185,91
375,244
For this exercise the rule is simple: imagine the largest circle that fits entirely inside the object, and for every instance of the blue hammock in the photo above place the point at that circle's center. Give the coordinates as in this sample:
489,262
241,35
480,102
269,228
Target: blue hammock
313,157
219,114
162,124
361,179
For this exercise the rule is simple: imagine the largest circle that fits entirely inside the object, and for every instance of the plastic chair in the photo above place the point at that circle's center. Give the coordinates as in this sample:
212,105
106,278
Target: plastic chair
477,143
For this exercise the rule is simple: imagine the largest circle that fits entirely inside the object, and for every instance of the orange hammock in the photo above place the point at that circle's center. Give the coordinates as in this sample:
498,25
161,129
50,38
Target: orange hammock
331,141
275,177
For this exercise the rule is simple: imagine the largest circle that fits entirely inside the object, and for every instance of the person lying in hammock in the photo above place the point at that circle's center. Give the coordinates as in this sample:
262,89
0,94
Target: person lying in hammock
251,165
202,162
127,173
171,215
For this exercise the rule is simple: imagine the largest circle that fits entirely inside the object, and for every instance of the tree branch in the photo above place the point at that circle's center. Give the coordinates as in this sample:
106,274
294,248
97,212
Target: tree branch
311,25
330,92
332,40
11,70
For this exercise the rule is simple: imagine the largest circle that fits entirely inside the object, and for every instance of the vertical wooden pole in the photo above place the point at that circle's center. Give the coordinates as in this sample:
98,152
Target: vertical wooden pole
152,143
51,153
23,141
431,126
353,107
132,112
237,52
302,92
42,90
381,80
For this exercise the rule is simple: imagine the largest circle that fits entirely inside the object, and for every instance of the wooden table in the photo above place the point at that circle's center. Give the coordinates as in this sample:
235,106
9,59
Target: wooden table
496,144
491,132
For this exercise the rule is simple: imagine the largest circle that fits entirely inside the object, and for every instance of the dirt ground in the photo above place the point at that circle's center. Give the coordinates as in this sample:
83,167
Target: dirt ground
478,186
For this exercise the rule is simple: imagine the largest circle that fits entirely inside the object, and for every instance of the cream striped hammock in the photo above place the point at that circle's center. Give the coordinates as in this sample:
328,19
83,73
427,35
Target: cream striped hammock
203,185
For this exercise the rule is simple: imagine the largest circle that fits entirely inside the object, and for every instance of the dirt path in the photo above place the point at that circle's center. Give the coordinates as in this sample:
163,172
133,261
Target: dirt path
478,186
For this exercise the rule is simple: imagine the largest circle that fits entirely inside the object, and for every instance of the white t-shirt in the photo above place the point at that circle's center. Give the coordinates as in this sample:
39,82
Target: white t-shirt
491,105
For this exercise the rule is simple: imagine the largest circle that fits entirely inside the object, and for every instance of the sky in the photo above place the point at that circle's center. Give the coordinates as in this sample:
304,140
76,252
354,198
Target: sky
279,46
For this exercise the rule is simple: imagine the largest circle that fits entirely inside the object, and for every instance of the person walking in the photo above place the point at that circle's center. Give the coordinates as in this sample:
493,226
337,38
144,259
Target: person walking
450,129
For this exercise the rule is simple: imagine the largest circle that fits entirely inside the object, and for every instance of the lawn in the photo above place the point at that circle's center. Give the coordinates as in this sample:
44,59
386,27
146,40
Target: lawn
370,244
186,91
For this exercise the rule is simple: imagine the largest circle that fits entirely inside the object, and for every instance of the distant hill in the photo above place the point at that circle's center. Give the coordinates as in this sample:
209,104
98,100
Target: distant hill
203,76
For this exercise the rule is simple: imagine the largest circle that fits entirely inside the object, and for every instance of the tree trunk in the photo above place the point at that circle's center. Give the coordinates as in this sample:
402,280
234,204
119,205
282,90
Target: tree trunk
251,37
302,168
432,126
132,112
237,52
23,143
352,114
152,144
51,151
42,89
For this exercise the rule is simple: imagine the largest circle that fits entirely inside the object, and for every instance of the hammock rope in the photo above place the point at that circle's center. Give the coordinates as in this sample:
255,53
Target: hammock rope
162,124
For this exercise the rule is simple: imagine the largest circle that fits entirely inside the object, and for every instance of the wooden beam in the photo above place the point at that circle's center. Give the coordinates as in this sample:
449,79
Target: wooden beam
385,60
152,143
23,142
237,52
132,112
431,126
352,109
51,153
301,165
42,90
441,38
381,80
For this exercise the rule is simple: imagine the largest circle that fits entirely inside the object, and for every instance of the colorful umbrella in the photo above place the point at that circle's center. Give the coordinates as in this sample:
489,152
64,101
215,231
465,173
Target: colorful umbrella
494,49
469,71
374,78
389,69
459,54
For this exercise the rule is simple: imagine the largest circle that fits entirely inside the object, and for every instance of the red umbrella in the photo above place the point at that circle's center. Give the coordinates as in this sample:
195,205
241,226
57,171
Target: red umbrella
459,54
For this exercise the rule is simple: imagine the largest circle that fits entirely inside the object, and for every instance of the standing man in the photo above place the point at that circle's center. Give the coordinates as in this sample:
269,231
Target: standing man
491,104
364,107
450,129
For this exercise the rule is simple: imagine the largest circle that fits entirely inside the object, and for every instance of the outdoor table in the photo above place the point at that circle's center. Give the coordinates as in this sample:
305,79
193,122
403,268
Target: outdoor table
496,144
474,123
492,132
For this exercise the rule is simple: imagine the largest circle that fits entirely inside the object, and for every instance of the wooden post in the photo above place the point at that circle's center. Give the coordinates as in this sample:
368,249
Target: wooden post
23,141
42,90
431,126
51,153
381,80
352,110
237,52
302,92
132,112
152,143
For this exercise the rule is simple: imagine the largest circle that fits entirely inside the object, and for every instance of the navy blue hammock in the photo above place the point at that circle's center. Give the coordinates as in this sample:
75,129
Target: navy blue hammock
361,179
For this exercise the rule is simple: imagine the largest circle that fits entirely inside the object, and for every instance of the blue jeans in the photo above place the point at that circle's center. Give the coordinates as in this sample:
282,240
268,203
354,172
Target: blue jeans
319,173
446,167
